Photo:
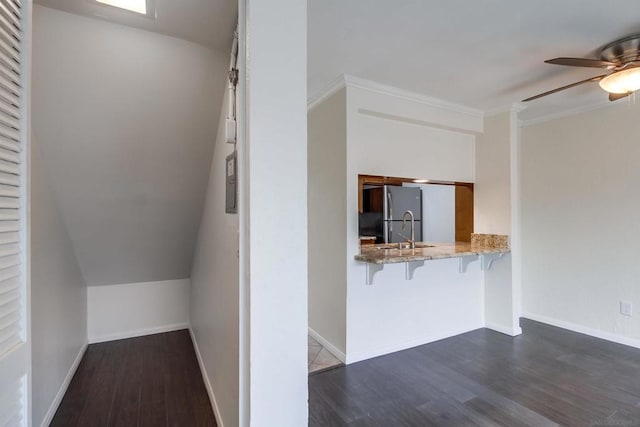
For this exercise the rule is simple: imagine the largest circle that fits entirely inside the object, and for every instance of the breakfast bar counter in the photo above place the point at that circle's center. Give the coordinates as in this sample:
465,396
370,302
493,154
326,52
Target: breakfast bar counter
390,254
481,244
486,247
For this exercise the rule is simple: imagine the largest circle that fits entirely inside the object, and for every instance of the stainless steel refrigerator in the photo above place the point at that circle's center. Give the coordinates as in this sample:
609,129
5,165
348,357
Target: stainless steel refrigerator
391,202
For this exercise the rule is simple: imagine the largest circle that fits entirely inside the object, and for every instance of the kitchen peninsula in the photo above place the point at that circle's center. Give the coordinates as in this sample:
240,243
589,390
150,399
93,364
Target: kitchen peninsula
488,247
418,295
394,253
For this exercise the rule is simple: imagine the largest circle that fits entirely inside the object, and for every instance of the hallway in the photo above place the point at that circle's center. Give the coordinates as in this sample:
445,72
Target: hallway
147,381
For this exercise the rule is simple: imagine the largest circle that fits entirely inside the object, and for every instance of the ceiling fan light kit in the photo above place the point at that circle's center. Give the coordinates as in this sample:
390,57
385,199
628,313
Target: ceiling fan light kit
624,81
621,57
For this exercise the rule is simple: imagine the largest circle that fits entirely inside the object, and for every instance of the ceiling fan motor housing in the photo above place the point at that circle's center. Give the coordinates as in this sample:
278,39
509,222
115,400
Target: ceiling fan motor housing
624,51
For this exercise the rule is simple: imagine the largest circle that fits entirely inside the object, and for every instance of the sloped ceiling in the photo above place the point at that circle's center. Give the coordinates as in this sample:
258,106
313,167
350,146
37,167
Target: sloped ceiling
208,22
125,120
484,54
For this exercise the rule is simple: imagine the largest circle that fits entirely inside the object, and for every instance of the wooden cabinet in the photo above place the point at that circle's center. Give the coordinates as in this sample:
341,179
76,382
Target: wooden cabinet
364,241
464,212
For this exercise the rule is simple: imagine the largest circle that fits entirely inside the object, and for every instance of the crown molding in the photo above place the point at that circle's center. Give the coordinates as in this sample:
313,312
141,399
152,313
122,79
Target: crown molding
498,110
567,113
334,86
514,107
350,81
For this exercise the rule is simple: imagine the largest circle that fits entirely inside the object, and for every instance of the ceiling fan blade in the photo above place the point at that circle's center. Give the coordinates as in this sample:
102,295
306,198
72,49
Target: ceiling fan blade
582,62
616,96
592,79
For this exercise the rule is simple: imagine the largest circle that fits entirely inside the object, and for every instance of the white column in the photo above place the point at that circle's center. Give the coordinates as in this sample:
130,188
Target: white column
516,228
273,214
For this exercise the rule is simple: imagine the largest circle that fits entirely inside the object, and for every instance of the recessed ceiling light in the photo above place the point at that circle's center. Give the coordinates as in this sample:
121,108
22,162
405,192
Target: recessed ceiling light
137,6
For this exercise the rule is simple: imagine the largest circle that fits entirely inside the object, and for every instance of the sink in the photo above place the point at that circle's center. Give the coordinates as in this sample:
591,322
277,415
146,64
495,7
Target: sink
404,245
424,245
387,246
418,245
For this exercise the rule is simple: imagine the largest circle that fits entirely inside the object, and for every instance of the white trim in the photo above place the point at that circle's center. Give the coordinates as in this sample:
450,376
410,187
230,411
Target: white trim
380,351
515,194
319,97
512,332
357,82
567,113
207,383
347,80
326,344
515,107
26,65
138,333
64,386
608,336
244,266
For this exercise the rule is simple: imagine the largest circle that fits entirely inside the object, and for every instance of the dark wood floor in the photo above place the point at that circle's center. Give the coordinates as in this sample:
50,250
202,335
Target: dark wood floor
547,376
147,381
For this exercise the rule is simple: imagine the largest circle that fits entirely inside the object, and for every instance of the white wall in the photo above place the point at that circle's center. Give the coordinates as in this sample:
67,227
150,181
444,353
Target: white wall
128,119
58,297
395,314
580,225
136,309
384,138
492,215
276,232
327,195
214,288
491,191
394,136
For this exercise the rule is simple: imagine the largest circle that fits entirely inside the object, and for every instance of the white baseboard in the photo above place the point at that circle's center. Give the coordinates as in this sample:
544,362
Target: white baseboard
381,351
608,336
63,387
512,332
134,309
138,333
326,344
207,383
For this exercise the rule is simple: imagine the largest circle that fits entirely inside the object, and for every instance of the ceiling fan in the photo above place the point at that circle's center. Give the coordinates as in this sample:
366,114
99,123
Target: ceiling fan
621,57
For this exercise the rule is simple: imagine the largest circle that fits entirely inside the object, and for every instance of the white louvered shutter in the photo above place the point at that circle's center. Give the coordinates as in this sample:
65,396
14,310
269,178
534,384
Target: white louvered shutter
14,345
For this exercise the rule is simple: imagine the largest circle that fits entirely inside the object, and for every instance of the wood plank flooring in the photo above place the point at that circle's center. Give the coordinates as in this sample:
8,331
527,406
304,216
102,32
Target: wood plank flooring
147,381
545,377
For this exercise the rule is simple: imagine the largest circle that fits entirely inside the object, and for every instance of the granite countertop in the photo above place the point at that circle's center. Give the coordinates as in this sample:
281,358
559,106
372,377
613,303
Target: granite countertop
388,254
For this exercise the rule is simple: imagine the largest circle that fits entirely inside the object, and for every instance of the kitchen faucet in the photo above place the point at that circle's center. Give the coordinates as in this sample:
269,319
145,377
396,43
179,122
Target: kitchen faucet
412,241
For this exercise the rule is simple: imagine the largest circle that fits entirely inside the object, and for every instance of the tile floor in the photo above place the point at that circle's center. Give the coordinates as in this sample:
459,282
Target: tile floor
319,358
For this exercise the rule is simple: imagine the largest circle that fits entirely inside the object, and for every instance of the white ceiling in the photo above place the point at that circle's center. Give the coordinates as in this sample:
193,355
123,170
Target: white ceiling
208,22
125,121
484,54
